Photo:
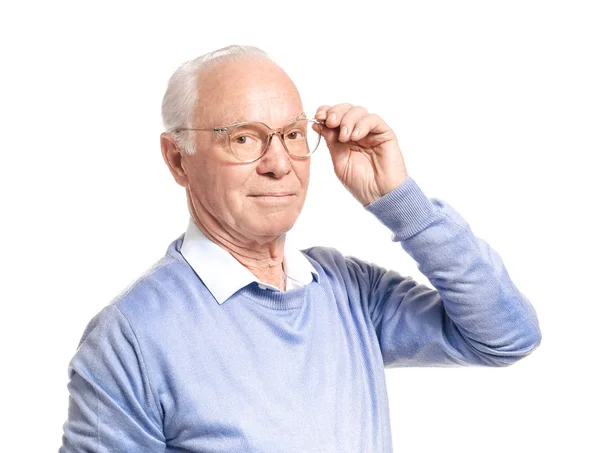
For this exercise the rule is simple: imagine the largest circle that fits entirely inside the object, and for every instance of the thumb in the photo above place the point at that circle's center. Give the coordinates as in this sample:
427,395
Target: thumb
330,135
337,153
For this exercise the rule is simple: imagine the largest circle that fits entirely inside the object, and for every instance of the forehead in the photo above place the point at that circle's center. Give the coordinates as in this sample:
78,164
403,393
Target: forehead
247,90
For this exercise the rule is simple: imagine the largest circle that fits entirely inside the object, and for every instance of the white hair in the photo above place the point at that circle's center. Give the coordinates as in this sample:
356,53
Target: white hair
181,96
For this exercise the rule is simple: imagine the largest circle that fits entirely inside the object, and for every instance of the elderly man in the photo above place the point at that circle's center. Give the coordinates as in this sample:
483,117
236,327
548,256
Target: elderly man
234,341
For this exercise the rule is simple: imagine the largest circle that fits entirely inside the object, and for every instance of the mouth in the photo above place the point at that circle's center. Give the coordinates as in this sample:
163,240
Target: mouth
273,199
273,195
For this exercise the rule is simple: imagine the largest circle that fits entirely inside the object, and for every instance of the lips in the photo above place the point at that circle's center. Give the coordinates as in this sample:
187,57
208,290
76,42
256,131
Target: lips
272,194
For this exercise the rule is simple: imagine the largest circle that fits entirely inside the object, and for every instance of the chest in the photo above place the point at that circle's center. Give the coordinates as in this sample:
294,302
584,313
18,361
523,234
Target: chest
304,380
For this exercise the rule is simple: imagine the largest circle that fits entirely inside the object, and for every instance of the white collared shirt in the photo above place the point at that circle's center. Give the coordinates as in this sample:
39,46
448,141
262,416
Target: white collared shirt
223,275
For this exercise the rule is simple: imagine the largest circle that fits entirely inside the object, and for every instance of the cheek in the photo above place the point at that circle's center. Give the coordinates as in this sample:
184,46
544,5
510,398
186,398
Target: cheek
303,172
226,186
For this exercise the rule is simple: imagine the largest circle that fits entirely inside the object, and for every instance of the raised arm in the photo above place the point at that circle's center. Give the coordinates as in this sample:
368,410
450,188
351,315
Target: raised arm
474,315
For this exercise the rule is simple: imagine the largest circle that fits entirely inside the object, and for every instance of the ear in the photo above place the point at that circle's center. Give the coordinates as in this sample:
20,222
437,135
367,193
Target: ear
172,156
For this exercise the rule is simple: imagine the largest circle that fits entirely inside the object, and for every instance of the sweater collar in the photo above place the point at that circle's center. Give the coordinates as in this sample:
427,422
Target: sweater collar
211,263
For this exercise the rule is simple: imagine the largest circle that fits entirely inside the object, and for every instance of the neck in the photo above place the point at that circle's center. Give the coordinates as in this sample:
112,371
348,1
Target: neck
263,259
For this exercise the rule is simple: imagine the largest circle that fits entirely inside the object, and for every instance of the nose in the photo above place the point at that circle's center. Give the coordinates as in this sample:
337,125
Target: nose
276,160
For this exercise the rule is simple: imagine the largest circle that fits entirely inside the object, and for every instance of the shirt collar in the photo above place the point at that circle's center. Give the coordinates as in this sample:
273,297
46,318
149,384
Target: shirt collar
211,262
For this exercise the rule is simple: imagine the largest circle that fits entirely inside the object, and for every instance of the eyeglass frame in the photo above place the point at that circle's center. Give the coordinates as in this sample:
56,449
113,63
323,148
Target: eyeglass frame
279,132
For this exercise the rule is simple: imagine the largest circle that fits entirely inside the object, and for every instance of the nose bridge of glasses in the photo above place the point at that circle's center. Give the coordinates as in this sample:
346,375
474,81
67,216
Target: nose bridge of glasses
278,132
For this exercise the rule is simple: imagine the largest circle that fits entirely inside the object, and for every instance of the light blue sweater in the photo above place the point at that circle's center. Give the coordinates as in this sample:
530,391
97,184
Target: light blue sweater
165,368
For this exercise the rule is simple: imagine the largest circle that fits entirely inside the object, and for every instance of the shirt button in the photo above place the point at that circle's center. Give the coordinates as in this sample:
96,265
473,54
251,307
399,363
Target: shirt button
261,286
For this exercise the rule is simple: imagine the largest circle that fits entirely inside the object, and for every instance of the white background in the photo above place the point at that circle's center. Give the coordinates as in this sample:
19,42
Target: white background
496,106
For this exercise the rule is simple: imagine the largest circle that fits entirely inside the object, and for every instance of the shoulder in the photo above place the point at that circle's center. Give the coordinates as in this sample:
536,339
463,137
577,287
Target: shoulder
325,257
165,286
334,264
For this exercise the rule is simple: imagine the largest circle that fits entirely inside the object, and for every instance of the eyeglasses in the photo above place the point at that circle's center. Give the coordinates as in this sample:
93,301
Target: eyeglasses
249,141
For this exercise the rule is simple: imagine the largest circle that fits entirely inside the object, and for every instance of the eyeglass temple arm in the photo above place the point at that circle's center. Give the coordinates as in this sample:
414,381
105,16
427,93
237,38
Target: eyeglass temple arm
224,128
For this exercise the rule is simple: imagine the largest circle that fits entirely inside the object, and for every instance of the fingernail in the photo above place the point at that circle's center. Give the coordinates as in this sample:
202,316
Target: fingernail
344,131
356,133
332,117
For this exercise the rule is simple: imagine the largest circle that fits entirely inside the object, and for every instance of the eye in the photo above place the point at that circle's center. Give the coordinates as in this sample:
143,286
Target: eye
295,135
242,140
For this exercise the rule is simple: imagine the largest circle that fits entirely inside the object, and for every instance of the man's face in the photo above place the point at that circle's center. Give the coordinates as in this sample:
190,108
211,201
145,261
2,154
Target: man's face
223,190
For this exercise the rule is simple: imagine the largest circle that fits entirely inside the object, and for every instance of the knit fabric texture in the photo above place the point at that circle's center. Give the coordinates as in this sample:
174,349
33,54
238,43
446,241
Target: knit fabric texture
165,368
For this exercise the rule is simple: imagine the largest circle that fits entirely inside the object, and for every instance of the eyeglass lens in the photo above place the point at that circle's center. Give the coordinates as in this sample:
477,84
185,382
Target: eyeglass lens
249,140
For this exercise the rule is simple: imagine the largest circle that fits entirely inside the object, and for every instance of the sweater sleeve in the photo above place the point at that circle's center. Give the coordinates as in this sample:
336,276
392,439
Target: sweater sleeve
475,315
111,407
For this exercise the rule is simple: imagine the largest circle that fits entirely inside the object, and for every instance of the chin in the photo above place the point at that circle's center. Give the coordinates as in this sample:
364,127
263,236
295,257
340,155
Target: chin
272,225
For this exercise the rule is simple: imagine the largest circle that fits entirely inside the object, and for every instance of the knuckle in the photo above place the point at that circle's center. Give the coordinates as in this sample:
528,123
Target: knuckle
346,122
322,110
360,113
342,107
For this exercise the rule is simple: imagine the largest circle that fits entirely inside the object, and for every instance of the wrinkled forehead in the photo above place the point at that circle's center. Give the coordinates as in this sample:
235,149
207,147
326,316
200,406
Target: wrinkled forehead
298,122
242,91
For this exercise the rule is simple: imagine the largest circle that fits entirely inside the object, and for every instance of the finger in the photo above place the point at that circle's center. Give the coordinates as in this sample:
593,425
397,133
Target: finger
322,112
371,123
335,114
330,135
348,121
